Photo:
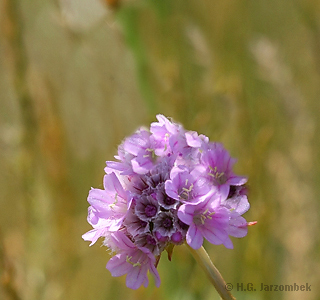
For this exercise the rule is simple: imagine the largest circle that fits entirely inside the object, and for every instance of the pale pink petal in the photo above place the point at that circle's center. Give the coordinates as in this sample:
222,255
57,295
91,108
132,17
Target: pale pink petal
136,277
112,185
238,227
154,272
237,180
118,265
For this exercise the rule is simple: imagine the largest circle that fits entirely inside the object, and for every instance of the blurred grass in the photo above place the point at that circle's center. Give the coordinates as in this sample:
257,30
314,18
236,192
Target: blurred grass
77,77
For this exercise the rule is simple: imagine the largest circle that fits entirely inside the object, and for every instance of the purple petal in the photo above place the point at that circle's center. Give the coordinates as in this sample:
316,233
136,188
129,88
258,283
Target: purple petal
228,243
141,166
185,213
214,235
137,142
224,191
240,204
120,166
100,200
193,139
220,219
194,237
171,190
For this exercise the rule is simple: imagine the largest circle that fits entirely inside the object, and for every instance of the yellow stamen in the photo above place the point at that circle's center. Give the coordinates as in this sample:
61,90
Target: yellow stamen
189,189
112,205
128,260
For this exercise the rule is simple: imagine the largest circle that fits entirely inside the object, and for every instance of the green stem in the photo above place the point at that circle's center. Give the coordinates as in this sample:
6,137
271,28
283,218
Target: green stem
203,259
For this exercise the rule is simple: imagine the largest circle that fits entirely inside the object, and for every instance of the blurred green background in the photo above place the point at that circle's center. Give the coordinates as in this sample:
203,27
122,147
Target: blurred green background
76,77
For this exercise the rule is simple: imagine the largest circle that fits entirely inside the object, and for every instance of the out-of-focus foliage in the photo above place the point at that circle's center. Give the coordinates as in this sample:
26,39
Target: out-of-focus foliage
76,77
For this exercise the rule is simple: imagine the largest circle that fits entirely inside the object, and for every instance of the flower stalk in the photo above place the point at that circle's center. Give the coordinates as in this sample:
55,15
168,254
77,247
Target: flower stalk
203,259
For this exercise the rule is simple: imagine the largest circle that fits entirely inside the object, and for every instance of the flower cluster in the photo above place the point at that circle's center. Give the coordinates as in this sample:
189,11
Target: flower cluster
168,186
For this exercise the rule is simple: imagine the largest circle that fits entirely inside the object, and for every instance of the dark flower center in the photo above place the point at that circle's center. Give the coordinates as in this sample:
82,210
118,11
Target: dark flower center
169,201
167,223
182,225
232,191
218,178
150,210
143,223
151,240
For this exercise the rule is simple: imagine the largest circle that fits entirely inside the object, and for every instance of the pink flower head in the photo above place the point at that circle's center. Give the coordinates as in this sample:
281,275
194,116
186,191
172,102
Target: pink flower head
168,186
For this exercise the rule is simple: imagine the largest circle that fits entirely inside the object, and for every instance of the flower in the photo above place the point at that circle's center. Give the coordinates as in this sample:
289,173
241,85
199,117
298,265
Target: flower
218,168
207,219
186,186
147,208
131,260
168,186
